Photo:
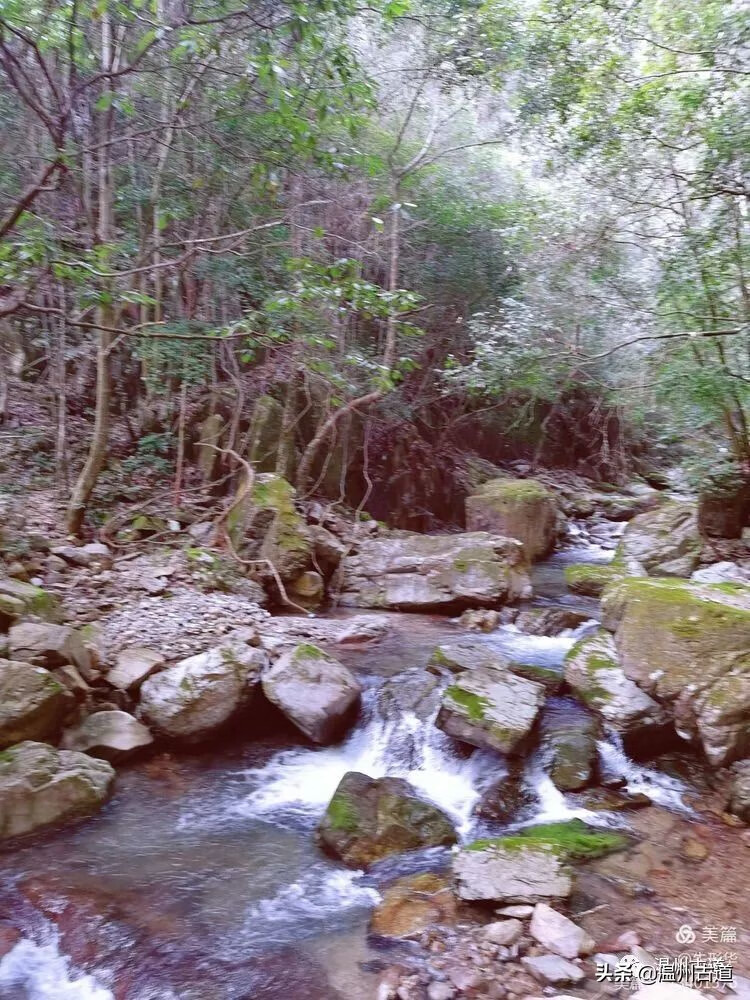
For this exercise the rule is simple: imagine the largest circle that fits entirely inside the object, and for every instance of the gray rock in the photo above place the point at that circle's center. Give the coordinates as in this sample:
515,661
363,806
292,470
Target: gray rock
523,509
315,692
521,912
197,697
739,793
440,991
35,601
32,703
553,969
49,646
467,654
569,737
488,708
556,933
83,555
665,541
722,572
111,735
11,609
503,932
592,671
514,875
133,666
40,786
407,571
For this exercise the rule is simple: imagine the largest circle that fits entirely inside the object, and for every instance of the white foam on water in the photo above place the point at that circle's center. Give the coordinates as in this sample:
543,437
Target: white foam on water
552,806
45,974
300,783
661,788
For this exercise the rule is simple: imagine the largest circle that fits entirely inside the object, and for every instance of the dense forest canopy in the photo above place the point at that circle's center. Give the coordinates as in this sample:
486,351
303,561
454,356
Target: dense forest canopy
410,230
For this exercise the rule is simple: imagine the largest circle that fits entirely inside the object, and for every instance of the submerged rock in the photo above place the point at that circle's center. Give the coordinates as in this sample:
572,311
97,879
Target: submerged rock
569,745
314,691
196,698
517,508
490,708
407,571
549,621
508,798
40,786
413,904
369,818
32,703
663,542
111,735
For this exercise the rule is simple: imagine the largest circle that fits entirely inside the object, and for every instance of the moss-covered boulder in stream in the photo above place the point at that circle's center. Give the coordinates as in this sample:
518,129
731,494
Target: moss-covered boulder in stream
523,509
32,703
531,865
688,646
569,737
491,708
370,818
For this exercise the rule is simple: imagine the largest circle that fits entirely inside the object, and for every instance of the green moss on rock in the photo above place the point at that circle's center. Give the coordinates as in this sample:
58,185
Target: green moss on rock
589,579
573,840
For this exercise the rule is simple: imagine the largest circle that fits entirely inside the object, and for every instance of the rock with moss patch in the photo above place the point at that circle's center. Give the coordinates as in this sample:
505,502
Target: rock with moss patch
201,696
592,671
111,735
490,708
531,866
308,590
411,572
663,542
549,621
687,645
371,818
517,508
41,786
11,609
36,601
466,654
32,703
739,793
314,691
590,579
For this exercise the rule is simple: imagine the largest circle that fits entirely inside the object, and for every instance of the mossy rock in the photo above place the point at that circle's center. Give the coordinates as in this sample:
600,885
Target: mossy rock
36,601
369,819
571,841
524,509
590,579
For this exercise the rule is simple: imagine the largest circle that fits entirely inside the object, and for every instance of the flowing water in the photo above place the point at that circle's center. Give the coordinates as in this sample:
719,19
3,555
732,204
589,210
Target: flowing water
201,880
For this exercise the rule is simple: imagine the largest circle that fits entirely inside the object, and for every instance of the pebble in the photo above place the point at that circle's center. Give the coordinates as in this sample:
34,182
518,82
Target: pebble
503,932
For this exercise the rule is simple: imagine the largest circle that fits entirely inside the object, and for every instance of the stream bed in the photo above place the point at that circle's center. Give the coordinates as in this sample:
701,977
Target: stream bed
201,879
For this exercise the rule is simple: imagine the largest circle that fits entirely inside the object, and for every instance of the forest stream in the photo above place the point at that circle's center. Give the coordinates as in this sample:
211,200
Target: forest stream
202,878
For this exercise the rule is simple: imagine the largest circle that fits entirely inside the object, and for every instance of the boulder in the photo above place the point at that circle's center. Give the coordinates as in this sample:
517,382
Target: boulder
592,671
490,708
41,786
480,620
414,691
739,793
198,697
569,745
11,609
662,542
556,933
466,654
209,436
49,646
410,572
488,870
308,590
132,666
412,905
32,703
329,550
36,601
688,646
553,970
523,509
111,735
368,819
287,543
314,691
503,932
724,508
